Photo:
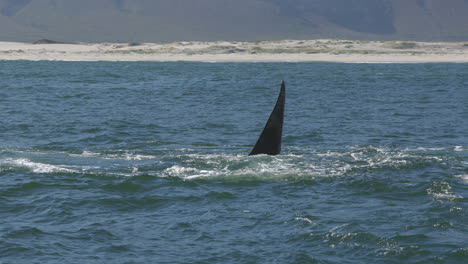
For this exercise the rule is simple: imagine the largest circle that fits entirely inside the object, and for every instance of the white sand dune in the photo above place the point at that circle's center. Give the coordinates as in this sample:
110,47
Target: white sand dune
262,51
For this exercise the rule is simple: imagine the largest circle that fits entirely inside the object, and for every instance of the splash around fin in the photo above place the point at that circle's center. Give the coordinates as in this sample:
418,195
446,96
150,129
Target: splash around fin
269,142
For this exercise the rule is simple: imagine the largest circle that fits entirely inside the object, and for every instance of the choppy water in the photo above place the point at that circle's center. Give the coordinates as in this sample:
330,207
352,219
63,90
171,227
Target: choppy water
147,163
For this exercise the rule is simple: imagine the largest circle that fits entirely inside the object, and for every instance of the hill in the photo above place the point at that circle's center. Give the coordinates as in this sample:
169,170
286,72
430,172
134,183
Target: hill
248,20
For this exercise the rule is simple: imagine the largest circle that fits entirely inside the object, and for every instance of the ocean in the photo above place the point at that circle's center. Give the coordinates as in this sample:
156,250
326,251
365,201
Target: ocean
147,162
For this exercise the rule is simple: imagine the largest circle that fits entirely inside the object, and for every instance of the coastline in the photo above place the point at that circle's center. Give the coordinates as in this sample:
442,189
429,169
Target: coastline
321,50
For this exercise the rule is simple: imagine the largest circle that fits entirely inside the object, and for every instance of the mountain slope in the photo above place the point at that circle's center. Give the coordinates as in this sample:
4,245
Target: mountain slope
175,20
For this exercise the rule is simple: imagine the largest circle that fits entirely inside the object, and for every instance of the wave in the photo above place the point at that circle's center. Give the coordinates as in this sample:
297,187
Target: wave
120,156
443,191
464,177
34,166
190,164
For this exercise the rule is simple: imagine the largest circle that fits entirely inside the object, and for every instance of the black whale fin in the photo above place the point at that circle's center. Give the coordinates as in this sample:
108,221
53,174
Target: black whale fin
269,141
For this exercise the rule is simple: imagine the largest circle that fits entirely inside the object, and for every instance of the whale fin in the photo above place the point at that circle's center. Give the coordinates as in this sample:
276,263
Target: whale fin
269,141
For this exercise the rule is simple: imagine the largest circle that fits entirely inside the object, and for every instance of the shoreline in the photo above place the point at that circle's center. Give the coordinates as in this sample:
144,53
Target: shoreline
320,50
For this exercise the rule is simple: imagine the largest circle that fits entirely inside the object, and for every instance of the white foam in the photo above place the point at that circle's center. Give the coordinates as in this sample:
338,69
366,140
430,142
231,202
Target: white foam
214,165
36,166
355,156
124,156
326,164
464,177
459,148
130,156
331,154
443,191
429,149
188,164
446,196
177,170
305,219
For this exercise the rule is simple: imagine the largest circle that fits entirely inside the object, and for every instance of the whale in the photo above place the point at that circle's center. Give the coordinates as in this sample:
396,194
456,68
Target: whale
269,142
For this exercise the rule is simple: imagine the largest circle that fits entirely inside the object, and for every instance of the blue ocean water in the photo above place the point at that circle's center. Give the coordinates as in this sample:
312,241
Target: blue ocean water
146,162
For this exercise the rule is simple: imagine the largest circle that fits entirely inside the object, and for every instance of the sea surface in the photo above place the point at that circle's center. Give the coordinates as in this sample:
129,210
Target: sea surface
146,162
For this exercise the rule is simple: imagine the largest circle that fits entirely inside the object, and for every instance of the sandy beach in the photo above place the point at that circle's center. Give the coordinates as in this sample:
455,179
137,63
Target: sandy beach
261,51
